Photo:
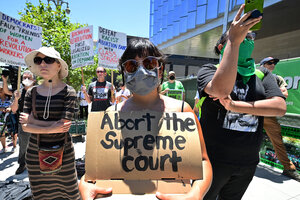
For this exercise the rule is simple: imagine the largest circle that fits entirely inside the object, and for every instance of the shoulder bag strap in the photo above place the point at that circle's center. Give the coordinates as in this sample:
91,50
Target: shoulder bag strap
33,100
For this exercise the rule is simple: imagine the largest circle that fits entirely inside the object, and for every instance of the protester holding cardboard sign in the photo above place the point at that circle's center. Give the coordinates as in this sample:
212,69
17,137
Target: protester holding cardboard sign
50,156
142,66
231,114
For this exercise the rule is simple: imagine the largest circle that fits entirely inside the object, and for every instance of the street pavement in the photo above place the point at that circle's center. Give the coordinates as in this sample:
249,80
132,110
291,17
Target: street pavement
268,183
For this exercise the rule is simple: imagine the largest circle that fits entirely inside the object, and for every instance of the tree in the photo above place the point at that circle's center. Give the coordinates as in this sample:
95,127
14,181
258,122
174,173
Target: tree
56,33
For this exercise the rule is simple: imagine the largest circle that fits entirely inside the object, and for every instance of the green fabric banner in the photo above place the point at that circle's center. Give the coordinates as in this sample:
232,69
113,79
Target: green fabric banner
289,69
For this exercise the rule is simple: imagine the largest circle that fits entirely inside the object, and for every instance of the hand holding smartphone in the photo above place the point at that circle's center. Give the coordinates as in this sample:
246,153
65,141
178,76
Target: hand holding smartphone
257,7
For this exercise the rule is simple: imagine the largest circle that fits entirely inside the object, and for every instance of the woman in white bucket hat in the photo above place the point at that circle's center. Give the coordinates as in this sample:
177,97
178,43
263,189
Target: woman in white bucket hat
47,114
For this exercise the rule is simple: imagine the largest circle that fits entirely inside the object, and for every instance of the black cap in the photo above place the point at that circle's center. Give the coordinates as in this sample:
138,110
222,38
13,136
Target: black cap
267,59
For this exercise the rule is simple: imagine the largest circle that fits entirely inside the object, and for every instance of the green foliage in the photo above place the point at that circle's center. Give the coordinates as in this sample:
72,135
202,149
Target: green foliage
56,33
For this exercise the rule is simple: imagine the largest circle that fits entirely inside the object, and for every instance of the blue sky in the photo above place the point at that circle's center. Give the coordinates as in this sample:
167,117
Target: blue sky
127,16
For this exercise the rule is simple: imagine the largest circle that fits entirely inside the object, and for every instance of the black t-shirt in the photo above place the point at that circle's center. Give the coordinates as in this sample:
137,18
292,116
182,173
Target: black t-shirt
21,101
101,95
234,138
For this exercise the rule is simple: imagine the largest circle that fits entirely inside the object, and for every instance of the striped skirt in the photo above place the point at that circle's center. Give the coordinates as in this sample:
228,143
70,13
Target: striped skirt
63,184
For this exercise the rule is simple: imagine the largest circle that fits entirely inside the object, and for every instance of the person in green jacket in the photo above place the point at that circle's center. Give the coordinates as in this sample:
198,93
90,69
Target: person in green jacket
172,87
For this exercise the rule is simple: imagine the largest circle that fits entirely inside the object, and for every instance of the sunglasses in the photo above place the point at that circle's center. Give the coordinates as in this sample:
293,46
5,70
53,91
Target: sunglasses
48,60
271,62
100,71
149,63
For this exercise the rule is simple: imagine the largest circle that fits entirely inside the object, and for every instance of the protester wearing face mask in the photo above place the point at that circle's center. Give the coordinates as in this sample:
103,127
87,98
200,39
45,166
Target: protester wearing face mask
172,87
236,100
28,80
142,66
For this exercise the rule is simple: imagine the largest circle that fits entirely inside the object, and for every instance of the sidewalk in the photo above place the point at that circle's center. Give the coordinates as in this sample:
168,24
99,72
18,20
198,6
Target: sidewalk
268,183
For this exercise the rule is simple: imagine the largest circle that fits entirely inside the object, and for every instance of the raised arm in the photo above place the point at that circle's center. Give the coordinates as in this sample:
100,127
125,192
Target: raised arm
15,104
223,81
5,86
113,94
86,95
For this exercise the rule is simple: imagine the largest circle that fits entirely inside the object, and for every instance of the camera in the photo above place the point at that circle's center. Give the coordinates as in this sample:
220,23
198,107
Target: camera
12,73
5,73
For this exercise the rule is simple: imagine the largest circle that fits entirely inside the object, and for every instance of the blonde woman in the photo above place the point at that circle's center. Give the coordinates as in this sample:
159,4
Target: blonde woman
47,114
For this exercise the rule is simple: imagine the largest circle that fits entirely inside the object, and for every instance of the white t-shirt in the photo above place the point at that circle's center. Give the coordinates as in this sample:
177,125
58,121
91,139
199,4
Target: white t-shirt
83,102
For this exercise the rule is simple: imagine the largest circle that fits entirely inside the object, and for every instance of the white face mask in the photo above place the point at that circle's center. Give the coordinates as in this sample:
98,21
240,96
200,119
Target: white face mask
27,82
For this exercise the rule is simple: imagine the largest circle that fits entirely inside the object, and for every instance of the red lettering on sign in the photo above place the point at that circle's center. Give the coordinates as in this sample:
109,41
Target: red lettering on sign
106,55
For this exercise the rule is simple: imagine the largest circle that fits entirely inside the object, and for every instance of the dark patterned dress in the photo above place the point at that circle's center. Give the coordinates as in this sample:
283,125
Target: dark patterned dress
63,184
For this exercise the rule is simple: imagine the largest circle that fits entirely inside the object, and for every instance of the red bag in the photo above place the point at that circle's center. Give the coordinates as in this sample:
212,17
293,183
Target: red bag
50,159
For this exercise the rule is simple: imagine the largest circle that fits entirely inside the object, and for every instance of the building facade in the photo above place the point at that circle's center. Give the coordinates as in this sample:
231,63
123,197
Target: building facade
192,27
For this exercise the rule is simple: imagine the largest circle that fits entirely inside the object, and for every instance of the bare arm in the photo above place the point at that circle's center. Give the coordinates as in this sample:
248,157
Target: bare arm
89,191
5,86
31,125
164,91
86,96
113,94
226,73
200,187
196,110
223,81
284,91
274,106
15,104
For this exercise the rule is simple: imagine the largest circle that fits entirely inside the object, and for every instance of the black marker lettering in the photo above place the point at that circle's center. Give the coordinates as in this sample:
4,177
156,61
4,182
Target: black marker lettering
105,145
124,163
106,120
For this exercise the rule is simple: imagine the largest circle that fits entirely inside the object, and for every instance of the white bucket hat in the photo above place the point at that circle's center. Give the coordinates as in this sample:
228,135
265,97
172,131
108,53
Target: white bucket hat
50,52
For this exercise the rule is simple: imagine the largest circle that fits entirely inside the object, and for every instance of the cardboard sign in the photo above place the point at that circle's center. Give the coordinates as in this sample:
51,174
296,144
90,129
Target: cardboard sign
17,39
176,94
111,46
81,42
143,146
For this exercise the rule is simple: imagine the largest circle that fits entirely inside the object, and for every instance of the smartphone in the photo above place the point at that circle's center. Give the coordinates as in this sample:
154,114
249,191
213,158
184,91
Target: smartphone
254,5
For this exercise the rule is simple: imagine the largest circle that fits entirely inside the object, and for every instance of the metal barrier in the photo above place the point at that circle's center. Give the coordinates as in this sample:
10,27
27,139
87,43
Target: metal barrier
78,128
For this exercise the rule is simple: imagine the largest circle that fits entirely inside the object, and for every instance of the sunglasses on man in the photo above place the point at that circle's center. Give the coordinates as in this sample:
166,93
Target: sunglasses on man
271,63
48,60
149,63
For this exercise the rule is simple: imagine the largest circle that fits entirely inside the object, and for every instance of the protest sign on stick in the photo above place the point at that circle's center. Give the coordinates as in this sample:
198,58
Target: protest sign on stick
82,53
82,77
81,43
19,79
111,45
17,39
